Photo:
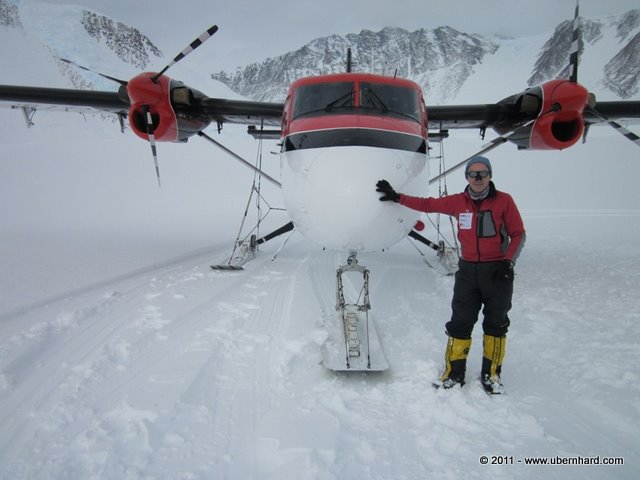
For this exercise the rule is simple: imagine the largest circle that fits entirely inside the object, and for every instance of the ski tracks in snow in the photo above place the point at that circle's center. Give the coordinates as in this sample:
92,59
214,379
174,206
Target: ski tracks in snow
167,373
184,372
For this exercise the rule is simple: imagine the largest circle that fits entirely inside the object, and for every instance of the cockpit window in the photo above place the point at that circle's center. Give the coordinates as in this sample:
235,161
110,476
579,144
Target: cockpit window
390,99
374,98
323,97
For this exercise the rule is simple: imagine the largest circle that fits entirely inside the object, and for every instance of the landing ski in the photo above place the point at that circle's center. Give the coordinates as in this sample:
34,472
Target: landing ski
242,253
353,344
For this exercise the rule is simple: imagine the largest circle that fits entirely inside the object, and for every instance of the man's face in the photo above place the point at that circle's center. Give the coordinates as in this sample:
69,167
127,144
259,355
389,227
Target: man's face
478,184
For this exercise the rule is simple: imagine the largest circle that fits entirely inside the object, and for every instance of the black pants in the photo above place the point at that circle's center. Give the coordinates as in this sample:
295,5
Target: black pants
475,286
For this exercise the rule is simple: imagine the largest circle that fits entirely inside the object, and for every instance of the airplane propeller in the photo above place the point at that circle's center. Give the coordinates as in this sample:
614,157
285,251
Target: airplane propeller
573,77
186,51
524,129
146,108
108,77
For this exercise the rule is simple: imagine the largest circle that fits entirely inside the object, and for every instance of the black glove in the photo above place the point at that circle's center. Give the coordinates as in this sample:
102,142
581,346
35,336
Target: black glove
390,195
504,271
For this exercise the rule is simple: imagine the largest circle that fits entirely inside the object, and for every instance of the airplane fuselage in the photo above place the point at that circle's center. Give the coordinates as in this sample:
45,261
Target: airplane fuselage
341,134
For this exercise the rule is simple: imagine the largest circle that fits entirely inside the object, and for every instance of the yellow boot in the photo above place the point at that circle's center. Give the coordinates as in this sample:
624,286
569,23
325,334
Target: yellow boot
455,360
494,348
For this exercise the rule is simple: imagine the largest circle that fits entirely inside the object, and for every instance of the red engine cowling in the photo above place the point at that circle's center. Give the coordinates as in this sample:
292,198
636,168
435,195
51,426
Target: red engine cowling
556,129
172,105
559,105
156,96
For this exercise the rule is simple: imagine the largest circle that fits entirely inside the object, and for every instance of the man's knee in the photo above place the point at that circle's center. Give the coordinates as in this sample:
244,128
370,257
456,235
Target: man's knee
496,327
458,329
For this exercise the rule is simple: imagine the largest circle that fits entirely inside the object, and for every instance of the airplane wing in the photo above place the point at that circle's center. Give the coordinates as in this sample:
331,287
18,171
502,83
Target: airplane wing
88,101
553,115
242,111
492,115
37,98
251,112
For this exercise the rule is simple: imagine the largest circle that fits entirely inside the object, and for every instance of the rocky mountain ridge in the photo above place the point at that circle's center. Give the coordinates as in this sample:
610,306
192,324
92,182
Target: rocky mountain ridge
77,33
450,65
391,51
126,42
9,16
441,60
620,72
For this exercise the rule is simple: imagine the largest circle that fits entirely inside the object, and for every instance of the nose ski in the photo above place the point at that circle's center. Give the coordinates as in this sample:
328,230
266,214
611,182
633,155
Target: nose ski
353,344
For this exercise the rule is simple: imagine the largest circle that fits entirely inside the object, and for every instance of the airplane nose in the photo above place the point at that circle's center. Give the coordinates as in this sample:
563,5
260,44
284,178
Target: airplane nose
330,195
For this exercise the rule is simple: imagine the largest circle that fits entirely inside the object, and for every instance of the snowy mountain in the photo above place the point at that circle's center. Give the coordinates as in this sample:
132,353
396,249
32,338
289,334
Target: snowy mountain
100,43
80,35
619,77
413,54
443,60
451,66
620,73
126,42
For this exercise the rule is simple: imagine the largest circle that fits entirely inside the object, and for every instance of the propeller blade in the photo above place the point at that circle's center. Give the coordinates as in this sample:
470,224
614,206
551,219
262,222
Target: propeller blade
117,80
628,134
573,77
575,46
192,46
152,140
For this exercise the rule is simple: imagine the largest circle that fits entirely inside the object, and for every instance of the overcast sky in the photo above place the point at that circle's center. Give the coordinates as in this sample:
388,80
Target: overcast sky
251,30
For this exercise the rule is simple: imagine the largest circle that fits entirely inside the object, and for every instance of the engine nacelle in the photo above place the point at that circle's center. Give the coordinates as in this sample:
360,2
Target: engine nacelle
164,99
559,106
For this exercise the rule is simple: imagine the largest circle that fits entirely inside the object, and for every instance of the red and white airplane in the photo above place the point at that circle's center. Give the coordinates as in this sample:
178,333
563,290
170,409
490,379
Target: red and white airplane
340,134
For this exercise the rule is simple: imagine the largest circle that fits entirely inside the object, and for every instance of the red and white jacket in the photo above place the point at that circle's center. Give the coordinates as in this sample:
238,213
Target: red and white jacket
489,230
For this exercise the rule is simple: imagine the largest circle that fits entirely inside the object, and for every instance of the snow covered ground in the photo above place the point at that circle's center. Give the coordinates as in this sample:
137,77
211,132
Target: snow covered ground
122,355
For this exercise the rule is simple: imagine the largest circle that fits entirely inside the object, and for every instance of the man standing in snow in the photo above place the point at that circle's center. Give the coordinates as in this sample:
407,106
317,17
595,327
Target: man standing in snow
492,235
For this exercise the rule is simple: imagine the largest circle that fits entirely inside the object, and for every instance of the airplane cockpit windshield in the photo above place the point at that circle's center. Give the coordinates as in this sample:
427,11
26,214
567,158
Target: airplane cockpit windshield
373,98
392,99
319,98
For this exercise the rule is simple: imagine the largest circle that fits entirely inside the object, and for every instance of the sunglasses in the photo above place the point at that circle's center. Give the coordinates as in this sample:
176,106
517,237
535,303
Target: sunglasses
482,174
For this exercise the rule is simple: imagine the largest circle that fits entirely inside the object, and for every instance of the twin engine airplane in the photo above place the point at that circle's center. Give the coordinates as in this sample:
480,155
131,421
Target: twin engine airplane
340,134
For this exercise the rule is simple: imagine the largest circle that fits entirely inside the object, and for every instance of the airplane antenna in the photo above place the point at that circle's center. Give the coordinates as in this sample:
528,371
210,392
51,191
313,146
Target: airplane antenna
206,35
